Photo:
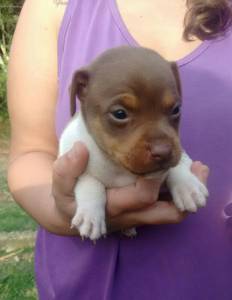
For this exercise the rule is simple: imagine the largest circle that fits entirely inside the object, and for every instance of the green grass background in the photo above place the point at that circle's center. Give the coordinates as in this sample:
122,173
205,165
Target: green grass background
17,231
13,218
16,228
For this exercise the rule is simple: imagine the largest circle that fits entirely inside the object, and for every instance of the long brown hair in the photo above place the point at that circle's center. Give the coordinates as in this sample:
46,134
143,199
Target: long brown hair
207,19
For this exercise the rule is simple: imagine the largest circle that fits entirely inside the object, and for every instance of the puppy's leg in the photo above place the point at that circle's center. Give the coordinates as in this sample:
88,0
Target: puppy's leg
89,218
187,191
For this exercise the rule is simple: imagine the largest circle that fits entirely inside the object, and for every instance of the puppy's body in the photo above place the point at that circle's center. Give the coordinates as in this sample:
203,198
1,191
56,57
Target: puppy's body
130,127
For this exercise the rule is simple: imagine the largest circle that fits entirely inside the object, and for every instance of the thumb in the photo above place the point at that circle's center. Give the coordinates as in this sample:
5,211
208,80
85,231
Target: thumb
68,168
201,171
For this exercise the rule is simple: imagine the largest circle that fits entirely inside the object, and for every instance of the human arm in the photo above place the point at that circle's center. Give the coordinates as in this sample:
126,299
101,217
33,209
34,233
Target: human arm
34,179
32,93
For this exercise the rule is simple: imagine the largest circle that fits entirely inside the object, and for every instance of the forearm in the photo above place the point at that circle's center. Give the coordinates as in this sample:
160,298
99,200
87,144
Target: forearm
30,182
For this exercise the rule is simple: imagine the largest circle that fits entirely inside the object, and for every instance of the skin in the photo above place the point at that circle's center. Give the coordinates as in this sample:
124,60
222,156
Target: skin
42,184
134,205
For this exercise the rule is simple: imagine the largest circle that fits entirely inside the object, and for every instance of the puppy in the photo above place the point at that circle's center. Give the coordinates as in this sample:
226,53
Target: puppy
129,118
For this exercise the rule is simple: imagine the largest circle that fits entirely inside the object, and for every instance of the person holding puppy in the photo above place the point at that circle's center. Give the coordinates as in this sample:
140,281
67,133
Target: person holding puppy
188,256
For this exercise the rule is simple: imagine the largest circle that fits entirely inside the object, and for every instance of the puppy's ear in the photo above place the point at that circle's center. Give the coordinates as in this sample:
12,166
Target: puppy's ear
177,76
78,88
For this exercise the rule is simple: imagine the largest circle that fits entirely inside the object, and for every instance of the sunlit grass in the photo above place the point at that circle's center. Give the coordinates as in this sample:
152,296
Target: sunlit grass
13,218
17,276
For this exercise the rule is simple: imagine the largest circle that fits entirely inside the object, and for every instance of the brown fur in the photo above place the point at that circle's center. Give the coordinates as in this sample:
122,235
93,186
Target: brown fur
147,87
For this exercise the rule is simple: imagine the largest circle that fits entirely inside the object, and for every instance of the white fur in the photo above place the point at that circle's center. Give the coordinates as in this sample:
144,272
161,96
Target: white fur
187,191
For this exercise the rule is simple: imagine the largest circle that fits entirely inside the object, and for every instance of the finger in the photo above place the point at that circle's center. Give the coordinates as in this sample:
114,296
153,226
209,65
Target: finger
133,197
162,212
201,171
68,168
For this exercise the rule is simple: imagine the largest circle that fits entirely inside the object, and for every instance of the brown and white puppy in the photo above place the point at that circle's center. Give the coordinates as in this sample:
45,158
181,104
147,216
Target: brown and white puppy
129,118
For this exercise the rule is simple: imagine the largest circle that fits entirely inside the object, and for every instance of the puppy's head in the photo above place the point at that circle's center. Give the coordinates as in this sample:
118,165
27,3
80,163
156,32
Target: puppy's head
130,99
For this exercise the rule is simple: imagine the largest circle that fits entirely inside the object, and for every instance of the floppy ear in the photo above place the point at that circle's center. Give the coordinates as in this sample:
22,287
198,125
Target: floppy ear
78,88
177,76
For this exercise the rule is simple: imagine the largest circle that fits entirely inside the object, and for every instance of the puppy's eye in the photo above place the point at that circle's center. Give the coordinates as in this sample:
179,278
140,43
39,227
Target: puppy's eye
175,112
119,114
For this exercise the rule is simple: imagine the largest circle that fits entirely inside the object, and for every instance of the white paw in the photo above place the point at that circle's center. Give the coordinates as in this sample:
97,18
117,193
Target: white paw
131,232
90,222
189,193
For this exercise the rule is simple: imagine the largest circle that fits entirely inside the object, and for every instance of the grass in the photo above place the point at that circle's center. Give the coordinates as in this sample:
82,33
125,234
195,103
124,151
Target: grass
13,218
17,277
17,231
16,253
16,228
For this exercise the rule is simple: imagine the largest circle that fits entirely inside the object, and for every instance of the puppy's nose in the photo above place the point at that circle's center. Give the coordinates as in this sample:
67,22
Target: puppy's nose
161,152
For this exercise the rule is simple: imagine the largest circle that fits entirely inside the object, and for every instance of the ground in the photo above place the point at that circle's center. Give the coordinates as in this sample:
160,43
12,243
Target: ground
17,236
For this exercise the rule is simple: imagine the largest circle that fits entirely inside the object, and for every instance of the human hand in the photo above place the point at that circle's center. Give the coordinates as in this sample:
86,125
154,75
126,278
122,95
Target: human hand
142,207
66,170
71,165
121,201
127,207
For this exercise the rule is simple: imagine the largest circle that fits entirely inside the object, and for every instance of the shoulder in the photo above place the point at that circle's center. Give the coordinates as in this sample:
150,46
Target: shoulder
49,12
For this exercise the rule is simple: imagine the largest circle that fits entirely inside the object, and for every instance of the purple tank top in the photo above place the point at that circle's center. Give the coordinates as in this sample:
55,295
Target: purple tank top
187,261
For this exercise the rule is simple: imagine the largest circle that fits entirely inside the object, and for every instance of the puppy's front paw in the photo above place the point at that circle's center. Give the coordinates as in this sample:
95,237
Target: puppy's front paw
90,223
189,193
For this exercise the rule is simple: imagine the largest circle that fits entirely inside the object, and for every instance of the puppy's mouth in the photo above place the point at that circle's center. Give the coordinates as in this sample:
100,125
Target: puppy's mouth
157,169
147,174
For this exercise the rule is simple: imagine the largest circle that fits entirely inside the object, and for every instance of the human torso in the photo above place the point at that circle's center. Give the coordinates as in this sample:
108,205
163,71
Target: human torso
154,28
191,260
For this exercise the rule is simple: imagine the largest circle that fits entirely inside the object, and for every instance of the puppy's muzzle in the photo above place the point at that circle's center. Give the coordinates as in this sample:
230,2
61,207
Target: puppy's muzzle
161,156
161,152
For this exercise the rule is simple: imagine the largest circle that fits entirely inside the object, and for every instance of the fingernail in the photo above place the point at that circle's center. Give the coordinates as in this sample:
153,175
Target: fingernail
72,153
76,147
205,172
